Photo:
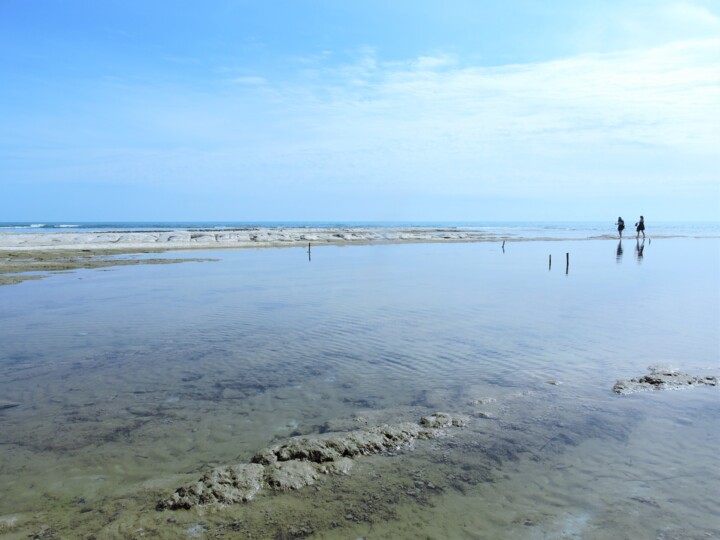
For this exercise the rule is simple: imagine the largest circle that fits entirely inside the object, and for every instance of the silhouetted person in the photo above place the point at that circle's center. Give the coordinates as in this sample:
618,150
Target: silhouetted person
640,227
618,255
620,225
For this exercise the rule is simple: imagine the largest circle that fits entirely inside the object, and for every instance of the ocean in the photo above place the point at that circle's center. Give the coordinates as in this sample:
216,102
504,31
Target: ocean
519,229
129,382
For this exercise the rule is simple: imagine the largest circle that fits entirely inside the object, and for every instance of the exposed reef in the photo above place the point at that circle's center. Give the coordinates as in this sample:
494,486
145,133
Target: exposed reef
300,462
661,378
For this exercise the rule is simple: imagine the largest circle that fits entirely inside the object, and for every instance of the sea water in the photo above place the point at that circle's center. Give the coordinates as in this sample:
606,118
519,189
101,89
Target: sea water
510,229
133,381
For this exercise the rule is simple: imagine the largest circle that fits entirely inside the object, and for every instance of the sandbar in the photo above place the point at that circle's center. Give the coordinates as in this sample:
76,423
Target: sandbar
25,256
245,237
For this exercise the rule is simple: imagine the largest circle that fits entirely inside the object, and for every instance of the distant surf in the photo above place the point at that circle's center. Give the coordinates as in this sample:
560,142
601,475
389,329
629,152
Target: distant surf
518,229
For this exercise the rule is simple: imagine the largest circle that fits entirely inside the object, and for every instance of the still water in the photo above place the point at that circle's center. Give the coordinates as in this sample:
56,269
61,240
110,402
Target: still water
135,380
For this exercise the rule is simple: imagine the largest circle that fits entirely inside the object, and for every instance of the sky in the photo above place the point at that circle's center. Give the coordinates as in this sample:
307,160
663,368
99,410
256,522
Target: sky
248,110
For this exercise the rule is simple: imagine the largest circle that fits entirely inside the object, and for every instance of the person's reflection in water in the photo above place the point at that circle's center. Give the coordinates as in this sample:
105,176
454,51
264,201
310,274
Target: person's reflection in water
639,247
619,253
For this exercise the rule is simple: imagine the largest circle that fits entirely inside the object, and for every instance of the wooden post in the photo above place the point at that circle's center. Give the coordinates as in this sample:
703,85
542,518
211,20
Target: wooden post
567,262
309,251
549,262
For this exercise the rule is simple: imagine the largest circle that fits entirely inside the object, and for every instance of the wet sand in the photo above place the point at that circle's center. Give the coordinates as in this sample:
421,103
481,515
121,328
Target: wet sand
19,266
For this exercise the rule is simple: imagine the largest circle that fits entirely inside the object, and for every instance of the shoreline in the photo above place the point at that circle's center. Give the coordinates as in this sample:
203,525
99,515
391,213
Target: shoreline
252,237
26,256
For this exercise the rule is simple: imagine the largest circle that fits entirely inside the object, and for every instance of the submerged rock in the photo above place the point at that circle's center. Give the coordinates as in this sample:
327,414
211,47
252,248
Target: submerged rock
661,379
223,485
8,523
483,401
4,404
300,462
321,449
290,475
440,420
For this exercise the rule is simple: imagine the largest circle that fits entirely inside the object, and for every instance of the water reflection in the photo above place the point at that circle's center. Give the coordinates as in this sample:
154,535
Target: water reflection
619,252
639,247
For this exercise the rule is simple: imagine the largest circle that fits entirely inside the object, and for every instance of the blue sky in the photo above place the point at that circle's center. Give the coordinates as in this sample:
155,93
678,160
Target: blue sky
359,110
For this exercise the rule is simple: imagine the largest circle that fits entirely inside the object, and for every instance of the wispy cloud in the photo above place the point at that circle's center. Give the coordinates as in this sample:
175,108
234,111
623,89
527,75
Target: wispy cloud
249,80
664,96
699,17
181,59
582,123
424,63
595,124
643,25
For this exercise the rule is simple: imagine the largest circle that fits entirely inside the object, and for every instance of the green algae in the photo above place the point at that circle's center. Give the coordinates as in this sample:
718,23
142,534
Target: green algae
18,266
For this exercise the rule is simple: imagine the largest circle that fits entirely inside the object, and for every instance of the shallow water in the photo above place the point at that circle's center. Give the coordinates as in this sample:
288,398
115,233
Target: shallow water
134,380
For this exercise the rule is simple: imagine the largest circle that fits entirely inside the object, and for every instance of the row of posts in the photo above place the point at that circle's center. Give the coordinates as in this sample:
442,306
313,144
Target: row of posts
567,262
567,257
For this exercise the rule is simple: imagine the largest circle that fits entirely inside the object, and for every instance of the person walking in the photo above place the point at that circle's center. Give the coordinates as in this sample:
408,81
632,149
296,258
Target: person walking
640,227
620,225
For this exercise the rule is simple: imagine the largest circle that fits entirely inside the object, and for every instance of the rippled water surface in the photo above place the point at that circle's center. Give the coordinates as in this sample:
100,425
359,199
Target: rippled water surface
132,381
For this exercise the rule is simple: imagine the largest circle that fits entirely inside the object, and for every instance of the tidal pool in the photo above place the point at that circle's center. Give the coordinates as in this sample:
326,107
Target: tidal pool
122,384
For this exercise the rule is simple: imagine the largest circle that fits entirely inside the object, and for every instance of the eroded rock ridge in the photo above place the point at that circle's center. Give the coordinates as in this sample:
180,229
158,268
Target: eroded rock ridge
661,378
300,462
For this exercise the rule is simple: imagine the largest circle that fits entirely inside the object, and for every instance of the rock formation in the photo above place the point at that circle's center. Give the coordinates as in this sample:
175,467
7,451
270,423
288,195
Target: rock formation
661,379
300,462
